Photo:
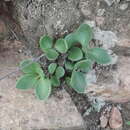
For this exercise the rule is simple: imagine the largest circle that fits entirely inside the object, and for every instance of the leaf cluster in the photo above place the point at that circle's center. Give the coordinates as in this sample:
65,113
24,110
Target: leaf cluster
79,61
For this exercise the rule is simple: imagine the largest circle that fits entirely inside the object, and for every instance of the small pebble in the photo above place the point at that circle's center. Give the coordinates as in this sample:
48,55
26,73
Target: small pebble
100,12
19,51
123,6
115,120
103,121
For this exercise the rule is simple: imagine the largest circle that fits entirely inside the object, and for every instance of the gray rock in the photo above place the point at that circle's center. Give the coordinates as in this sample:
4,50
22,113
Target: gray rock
107,38
20,110
100,12
113,85
91,77
46,17
123,6
109,2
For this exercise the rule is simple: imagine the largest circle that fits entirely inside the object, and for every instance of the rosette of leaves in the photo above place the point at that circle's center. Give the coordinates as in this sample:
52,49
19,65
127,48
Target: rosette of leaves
81,57
57,72
79,60
34,77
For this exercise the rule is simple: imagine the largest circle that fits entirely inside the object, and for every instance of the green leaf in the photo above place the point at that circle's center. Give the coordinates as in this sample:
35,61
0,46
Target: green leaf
55,81
45,43
27,81
43,89
51,54
71,39
69,65
67,80
52,68
83,65
128,123
83,35
61,46
99,55
60,72
75,54
78,82
29,67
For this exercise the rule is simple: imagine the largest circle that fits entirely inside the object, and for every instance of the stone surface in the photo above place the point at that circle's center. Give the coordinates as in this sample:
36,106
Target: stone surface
113,85
124,42
109,2
46,17
115,120
100,12
123,6
103,121
107,39
3,29
20,110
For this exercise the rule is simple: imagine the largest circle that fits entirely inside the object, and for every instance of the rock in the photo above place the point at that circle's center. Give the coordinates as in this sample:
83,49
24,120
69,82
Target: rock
115,120
46,17
111,85
100,12
117,1
3,29
109,2
21,110
91,77
85,9
100,20
123,6
107,38
124,42
103,121
7,0
96,103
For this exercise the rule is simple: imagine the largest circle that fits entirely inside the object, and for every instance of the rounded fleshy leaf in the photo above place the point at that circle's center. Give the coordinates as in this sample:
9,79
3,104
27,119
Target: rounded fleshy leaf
61,46
27,81
45,43
78,82
69,65
99,55
52,68
75,54
29,67
83,65
60,72
83,35
71,39
51,54
55,81
67,80
43,89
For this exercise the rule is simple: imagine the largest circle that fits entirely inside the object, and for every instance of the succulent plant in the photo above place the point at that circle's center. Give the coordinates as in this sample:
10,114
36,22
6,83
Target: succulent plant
79,61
